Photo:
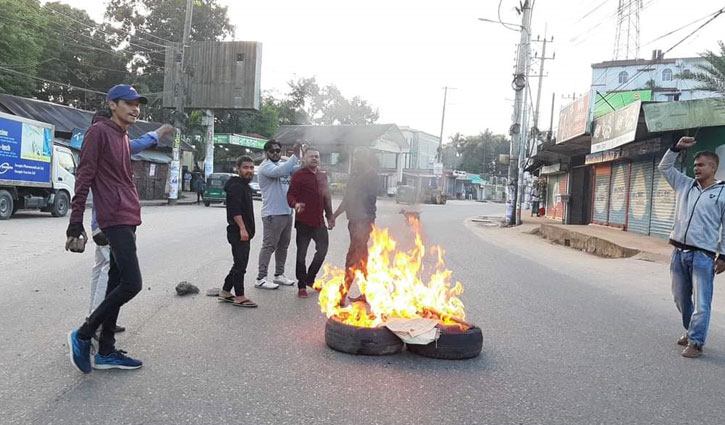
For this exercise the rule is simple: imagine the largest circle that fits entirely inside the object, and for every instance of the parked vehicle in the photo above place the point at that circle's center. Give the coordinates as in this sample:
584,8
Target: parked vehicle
406,195
412,195
214,192
34,173
254,184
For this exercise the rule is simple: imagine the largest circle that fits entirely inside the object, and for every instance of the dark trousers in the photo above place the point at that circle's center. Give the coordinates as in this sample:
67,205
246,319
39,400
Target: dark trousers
199,196
240,253
306,276
357,253
124,282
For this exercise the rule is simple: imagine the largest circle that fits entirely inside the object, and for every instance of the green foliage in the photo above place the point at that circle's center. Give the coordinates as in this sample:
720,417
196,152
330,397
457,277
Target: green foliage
711,75
21,45
476,154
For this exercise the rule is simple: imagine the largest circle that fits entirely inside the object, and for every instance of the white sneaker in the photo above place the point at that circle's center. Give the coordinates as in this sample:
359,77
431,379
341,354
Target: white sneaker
282,280
263,283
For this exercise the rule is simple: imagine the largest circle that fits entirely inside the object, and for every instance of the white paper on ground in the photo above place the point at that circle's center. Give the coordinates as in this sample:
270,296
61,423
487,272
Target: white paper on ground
413,331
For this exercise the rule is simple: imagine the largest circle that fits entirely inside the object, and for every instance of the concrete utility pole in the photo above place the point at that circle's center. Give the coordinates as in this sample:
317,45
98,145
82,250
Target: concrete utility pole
208,122
518,136
440,140
174,167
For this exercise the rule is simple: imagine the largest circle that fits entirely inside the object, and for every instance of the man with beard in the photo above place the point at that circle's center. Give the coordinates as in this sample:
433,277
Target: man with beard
240,231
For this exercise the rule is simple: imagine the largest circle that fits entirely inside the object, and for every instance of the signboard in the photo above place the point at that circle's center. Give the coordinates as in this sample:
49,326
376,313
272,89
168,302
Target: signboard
615,129
668,116
25,149
552,169
76,139
438,169
631,150
573,120
606,156
239,140
604,103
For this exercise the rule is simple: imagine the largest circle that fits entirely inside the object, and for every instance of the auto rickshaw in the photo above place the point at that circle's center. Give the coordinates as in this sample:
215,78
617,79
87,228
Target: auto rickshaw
214,192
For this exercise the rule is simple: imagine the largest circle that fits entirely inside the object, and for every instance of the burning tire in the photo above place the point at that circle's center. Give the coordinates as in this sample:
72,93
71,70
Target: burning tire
356,340
452,344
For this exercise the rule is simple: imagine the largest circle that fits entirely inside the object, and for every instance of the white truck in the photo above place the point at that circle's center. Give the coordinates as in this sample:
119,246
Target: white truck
34,172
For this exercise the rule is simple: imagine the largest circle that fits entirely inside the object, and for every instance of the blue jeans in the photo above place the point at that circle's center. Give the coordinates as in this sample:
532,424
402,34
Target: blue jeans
692,281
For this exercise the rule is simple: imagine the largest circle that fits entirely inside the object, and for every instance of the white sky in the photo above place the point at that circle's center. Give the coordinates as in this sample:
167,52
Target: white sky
399,54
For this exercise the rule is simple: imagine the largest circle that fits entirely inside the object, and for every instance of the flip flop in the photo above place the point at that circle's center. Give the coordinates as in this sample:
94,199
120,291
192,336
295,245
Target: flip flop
229,299
246,303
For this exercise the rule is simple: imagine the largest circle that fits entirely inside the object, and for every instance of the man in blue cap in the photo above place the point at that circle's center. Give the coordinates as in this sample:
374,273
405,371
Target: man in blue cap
105,167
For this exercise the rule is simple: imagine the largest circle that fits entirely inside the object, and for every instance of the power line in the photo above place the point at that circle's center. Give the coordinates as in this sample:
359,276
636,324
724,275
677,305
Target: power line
654,61
12,71
676,30
502,22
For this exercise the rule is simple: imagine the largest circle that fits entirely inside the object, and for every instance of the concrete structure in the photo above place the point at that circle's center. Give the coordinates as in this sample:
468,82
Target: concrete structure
423,149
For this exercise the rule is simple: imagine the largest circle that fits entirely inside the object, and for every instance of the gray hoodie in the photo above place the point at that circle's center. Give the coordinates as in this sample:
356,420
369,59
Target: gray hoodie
699,213
274,182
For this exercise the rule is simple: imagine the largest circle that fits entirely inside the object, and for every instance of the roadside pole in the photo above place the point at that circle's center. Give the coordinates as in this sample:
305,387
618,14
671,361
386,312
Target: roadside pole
208,122
180,88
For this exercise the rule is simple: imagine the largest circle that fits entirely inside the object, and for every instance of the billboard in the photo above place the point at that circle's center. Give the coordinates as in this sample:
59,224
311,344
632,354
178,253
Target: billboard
604,103
239,140
615,129
25,149
669,116
573,120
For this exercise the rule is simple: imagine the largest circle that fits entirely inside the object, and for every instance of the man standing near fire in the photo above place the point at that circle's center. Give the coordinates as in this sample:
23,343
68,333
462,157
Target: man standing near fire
698,237
358,203
309,195
274,177
105,167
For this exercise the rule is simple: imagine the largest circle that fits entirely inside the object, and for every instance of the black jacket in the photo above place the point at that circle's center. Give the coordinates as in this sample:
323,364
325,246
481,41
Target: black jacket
239,202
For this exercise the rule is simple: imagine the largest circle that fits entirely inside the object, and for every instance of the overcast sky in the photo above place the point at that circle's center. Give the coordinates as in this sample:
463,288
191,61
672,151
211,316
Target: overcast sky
399,54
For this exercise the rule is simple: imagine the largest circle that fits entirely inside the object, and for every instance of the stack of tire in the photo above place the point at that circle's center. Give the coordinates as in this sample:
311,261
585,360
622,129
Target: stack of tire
452,344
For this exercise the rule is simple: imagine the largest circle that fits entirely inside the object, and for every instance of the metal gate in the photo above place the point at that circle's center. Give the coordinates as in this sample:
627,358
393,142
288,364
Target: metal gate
602,179
640,197
556,185
663,207
619,195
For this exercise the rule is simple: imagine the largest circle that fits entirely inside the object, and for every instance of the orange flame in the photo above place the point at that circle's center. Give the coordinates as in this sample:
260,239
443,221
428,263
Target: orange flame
394,285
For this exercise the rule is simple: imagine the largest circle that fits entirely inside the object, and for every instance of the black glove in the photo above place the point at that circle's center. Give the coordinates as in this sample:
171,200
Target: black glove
100,239
75,230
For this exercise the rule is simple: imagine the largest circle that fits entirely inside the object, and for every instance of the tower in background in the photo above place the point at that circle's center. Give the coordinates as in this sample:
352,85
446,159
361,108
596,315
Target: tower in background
626,43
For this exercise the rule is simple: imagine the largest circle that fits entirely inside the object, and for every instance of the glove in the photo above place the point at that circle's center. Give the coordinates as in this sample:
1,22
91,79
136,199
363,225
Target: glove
75,230
100,238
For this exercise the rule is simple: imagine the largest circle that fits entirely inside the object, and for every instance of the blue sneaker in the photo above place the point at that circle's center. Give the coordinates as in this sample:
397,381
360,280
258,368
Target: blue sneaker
80,352
116,360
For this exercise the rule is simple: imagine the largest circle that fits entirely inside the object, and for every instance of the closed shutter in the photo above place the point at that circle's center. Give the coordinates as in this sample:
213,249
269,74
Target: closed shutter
563,190
619,194
663,207
602,177
640,197
556,185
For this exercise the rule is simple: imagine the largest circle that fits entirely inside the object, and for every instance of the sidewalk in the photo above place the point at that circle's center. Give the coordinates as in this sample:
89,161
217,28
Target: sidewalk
185,198
595,239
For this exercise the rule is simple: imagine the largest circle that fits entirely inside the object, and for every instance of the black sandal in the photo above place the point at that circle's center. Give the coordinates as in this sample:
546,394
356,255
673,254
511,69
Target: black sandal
228,299
246,303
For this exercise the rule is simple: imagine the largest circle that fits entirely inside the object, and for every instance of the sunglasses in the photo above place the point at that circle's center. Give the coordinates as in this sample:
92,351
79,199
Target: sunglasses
274,150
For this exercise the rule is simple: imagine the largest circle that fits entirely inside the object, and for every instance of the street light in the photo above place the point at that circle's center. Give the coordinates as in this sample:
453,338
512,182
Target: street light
500,22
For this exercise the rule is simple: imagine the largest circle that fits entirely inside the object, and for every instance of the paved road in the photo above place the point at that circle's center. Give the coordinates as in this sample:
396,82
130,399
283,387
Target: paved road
568,338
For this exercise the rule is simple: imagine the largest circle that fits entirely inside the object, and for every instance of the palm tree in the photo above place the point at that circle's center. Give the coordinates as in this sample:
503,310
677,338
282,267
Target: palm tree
711,75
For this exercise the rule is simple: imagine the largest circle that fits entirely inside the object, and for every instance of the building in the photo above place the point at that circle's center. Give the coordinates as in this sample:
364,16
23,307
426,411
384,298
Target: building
423,149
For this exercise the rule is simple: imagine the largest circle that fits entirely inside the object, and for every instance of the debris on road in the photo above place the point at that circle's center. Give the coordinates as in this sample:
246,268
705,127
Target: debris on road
184,288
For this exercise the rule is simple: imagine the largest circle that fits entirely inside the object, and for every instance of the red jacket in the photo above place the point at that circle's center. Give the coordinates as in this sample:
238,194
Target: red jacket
105,168
311,189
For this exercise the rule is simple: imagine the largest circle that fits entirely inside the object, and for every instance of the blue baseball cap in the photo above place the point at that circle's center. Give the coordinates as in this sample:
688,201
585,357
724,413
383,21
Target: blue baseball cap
125,92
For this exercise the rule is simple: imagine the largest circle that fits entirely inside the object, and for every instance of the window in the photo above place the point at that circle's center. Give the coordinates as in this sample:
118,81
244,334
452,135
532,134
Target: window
667,74
65,160
623,77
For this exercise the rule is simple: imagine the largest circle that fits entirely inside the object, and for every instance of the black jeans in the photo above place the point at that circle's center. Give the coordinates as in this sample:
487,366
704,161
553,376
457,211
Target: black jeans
357,253
240,253
124,282
306,276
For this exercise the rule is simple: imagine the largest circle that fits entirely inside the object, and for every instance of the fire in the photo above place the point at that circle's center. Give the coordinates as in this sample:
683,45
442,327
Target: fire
394,286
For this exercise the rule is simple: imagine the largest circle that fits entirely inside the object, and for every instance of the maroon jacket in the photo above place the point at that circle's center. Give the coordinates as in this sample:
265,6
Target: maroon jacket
311,189
105,167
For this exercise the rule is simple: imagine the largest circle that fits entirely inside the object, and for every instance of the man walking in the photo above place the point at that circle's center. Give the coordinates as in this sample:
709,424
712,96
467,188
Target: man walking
105,167
309,195
359,204
274,178
99,273
699,224
240,231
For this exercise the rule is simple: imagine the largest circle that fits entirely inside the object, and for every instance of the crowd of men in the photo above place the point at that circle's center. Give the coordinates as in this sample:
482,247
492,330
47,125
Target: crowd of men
297,184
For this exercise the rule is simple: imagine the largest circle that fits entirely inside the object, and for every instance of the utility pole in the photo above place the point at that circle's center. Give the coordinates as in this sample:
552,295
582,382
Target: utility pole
208,122
174,167
440,140
518,136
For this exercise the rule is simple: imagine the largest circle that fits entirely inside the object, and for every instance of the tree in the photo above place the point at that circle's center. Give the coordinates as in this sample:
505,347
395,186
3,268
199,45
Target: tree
712,75
475,154
77,52
21,45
